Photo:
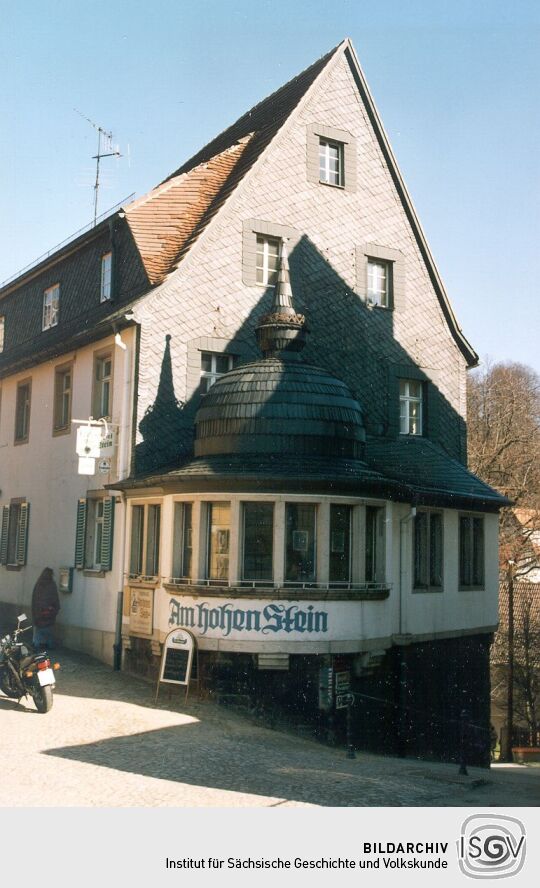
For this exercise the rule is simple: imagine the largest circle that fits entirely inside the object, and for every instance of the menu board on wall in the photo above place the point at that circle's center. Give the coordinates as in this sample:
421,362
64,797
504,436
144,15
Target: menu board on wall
141,611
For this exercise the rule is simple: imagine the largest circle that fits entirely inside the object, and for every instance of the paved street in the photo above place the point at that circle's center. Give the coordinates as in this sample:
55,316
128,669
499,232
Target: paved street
105,744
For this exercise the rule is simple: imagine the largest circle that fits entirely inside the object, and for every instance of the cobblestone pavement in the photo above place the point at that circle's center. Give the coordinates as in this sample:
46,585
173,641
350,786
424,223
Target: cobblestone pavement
105,743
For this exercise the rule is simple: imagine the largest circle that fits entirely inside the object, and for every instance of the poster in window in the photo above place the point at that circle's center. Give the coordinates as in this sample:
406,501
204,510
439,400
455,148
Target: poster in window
300,539
222,542
338,542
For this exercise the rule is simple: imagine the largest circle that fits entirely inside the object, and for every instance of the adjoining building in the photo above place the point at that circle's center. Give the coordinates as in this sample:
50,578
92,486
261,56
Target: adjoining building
299,502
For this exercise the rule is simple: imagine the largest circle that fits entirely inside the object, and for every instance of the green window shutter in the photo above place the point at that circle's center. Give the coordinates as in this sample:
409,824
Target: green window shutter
22,534
4,535
80,534
107,535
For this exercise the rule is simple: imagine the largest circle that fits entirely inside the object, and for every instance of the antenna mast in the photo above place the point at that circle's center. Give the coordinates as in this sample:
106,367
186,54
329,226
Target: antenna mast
108,151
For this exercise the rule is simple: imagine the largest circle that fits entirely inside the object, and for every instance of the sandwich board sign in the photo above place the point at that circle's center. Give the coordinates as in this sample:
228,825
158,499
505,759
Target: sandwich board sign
177,659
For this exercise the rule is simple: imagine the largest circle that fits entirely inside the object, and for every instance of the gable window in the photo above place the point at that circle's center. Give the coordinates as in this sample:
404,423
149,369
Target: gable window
2,331
267,260
258,542
182,540
101,397
22,411
51,306
331,162
94,530
219,536
379,283
62,398
300,543
410,407
340,544
428,551
213,365
14,533
144,543
471,552
106,277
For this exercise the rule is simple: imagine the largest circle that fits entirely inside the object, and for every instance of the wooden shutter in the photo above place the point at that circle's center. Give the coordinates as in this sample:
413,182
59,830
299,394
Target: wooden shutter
22,534
107,535
4,535
80,534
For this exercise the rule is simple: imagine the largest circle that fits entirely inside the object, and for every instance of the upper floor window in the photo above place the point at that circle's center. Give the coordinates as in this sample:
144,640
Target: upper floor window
331,162
428,550
379,283
267,260
2,329
219,536
258,541
300,543
51,306
62,398
106,277
410,407
471,552
144,544
213,365
183,540
102,392
22,411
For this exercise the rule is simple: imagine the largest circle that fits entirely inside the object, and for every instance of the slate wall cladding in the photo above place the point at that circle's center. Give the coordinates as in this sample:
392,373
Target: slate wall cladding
79,276
207,295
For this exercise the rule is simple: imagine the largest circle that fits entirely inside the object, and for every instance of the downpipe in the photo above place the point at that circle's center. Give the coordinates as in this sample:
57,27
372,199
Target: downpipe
402,658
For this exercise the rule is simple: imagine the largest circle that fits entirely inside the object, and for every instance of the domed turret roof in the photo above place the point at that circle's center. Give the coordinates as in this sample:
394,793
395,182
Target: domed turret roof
280,404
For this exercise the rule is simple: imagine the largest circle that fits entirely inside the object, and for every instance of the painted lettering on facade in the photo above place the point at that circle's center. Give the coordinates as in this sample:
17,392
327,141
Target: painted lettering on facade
227,618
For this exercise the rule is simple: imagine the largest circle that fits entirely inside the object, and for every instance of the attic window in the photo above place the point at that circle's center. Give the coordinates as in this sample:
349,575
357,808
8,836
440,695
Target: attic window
51,305
268,249
331,162
212,367
410,407
106,277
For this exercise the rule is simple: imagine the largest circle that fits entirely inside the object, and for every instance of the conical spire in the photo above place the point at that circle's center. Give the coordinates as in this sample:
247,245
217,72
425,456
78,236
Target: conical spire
282,331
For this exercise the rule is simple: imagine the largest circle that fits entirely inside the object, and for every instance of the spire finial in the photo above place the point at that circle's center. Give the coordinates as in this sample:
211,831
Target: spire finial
282,330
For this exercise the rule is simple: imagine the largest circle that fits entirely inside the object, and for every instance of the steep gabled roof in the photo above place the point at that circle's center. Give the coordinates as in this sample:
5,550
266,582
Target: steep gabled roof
169,218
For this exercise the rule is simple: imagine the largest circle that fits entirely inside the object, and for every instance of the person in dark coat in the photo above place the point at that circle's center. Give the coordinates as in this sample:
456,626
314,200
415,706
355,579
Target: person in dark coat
45,606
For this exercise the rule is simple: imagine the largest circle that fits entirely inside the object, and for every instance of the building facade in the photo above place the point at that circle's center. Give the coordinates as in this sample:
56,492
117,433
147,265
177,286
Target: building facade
287,384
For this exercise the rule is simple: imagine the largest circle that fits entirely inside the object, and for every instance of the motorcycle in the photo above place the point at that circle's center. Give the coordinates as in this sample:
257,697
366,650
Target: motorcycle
23,673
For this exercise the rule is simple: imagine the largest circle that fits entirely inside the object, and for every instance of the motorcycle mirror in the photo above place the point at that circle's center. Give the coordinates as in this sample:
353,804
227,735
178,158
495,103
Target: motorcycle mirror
22,617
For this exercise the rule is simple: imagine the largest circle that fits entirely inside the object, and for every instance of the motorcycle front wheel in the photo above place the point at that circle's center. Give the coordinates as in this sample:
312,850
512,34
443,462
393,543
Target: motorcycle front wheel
43,698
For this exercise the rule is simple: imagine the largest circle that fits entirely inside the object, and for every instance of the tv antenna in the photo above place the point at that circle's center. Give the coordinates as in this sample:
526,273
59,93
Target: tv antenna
105,149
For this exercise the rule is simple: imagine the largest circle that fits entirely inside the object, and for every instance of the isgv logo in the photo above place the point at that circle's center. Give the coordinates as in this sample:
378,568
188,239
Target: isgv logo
491,846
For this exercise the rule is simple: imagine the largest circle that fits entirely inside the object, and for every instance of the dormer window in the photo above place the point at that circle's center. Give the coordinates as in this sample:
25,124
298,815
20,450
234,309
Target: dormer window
213,366
331,162
51,306
267,260
106,277
410,407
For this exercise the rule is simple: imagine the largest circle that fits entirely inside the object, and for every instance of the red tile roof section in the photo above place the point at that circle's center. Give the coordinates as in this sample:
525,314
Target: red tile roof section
167,221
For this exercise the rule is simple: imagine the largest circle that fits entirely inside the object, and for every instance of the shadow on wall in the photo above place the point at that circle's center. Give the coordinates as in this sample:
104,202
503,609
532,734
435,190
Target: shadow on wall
347,337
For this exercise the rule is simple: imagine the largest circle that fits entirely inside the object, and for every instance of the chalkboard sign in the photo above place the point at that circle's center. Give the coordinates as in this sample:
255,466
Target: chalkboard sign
177,659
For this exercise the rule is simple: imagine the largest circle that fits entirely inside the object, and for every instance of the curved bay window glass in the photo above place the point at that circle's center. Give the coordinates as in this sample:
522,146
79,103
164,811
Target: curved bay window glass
219,540
183,540
258,542
300,549
340,544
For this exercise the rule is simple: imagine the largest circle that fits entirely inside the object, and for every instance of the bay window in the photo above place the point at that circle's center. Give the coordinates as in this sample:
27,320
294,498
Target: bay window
300,543
144,541
258,542
471,552
183,540
428,551
219,541
340,544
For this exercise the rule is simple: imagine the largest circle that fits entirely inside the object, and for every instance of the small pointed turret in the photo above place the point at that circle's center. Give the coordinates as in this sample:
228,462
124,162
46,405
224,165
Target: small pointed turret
282,331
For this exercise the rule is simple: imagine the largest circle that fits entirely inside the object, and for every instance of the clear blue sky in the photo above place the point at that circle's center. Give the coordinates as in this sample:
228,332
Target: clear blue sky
456,83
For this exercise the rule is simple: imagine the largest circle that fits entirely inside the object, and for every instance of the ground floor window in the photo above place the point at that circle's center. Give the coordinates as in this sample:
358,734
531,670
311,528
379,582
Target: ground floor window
300,543
428,550
14,533
144,541
258,548
471,552
94,533
219,541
